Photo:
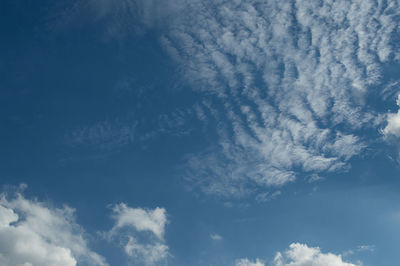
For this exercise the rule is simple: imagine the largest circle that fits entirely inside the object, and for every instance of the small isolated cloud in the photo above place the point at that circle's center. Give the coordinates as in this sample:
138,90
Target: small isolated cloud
370,248
302,255
247,262
393,122
267,196
143,230
32,233
361,248
216,237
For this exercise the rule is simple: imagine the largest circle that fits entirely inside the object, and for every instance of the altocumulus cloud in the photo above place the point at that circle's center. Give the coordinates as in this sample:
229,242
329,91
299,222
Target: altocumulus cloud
300,255
286,82
289,80
32,233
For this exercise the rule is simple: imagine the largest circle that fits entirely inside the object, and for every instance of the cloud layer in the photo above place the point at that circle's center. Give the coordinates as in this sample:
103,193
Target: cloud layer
285,83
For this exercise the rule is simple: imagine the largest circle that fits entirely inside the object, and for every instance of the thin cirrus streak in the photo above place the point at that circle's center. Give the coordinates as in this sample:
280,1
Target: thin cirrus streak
290,81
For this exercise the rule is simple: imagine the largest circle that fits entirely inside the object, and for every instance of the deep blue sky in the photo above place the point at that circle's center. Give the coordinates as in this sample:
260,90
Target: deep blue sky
252,125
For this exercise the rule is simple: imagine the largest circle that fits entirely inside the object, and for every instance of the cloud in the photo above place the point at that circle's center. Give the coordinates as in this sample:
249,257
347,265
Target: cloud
216,237
299,255
393,122
302,255
247,262
361,248
286,83
370,248
144,224
32,233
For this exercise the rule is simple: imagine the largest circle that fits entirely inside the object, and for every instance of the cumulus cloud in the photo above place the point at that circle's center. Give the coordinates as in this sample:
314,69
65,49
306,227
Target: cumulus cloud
393,122
286,83
302,255
32,233
143,232
299,255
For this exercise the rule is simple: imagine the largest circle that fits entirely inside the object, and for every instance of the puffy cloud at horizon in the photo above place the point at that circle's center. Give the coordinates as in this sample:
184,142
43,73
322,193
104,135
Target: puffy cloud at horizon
302,255
299,255
32,233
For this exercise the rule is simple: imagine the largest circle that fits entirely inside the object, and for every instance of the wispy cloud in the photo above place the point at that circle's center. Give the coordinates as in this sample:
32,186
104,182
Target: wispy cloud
103,135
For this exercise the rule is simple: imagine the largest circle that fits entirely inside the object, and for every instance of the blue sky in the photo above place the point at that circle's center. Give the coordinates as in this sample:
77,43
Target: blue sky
180,132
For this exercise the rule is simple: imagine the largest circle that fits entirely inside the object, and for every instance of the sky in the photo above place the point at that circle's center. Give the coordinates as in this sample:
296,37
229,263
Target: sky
199,132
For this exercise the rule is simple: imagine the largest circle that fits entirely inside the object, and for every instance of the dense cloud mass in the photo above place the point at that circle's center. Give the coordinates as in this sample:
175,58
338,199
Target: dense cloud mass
32,233
286,83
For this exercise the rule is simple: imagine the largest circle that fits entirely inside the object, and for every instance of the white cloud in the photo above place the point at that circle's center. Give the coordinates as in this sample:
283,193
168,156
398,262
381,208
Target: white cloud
289,80
150,249
393,122
150,253
299,255
247,262
32,233
302,255
141,219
